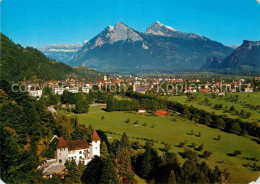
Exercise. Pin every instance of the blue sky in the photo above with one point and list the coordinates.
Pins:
(43, 22)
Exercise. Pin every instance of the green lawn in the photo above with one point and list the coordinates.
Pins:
(249, 98)
(174, 132)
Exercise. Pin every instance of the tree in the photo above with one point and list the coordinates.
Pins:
(10, 153)
(188, 170)
(232, 108)
(68, 97)
(147, 163)
(206, 154)
(124, 142)
(81, 167)
(167, 147)
(81, 105)
(92, 172)
(109, 175)
(219, 123)
(190, 155)
(54, 180)
(124, 164)
(204, 168)
(172, 179)
(186, 113)
(235, 128)
(54, 99)
(103, 150)
(199, 177)
(110, 104)
(248, 114)
(64, 127)
(74, 173)
(225, 177)
(136, 145)
(208, 120)
(206, 101)
(219, 137)
(200, 148)
(216, 175)
(237, 152)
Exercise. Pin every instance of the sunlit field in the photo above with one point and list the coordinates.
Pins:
(246, 102)
(173, 130)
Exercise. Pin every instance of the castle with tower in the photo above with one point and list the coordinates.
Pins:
(79, 150)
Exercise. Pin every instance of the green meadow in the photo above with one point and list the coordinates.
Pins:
(164, 129)
(243, 99)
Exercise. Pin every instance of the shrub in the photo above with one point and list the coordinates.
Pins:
(193, 145)
(219, 137)
(136, 145)
(206, 154)
(200, 148)
(190, 155)
(237, 152)
(127, 121)
(182, 144)
(136, 122)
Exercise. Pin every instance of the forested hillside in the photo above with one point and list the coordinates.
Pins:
(89, 73)
(26, 127)
(19, 63)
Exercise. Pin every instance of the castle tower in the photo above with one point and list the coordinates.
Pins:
(62, 151)
(95, 144)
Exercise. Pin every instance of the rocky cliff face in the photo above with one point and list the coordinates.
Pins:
(245, 57)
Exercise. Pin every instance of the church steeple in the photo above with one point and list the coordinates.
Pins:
(105, 76)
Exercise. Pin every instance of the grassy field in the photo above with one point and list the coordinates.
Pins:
(174, 132)
(243, 98)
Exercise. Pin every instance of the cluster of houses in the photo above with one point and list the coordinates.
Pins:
(142, 85)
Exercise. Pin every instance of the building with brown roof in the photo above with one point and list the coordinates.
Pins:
(79, 150)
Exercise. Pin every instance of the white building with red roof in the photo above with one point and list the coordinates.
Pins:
(79, 150)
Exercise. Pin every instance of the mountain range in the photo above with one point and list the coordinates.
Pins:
(61, 52)
(160, 48)
(246, 57)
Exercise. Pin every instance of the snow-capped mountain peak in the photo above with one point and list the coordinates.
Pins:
(157, 22)
(63, 51)
(158, 28)
(110, 28)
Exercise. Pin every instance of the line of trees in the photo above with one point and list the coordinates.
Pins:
(221, 122)
(118, 163)
(138, 101)
(121, 105)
